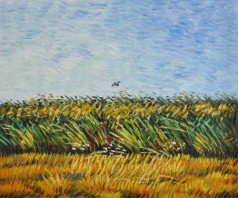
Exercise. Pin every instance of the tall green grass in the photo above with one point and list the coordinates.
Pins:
(190, 125)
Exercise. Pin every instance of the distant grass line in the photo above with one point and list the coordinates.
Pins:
(54, 175)
(121, 125)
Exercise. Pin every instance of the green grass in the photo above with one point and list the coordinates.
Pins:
(120, 125)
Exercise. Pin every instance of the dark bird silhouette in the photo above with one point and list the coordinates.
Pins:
(116, 83)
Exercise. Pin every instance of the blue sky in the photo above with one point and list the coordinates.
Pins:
(73, 47)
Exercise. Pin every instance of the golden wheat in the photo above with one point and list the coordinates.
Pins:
(116, 176)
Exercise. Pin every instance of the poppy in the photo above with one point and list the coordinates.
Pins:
(90, 130)
(102, 126)
(91, 144)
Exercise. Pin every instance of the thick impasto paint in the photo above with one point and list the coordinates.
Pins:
(118, 98)
(81, 47)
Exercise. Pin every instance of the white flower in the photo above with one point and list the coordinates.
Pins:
(174, 144)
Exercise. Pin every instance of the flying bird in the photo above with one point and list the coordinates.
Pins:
(116, 83)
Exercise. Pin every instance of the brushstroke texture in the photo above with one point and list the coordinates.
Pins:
(81, 47)
(44, 175)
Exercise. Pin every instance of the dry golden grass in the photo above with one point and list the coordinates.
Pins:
(117, 176)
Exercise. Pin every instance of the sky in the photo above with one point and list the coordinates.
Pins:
(154, 47)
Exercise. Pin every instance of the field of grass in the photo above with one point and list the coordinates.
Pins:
(195, 126)
(60, 175)
(119, 147)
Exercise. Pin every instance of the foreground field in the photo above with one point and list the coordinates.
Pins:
(117, 176)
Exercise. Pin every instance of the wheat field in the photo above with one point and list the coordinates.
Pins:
(119, 147)
(95, 175)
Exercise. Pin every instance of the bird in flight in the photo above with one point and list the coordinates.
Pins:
(116, 83)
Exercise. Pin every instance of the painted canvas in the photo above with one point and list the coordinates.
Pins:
(115, 98)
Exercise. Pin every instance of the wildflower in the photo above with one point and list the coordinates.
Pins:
(102, 126)
(90, 130)
(118, 138)
(91, 145)
(174, 144)
(105, 138)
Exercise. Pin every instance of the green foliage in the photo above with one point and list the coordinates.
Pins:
(196, 126)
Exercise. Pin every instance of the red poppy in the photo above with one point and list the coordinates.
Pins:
(91, 145)
(102, 126)
(118, 138)
(90, 130)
